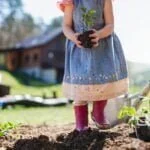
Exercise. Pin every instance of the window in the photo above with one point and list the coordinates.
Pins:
(35, 57)
(13, 62)
(2, 59)
(51, 55)
(27, 58)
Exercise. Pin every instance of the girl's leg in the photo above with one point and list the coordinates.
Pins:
(81, 115)
(98, 115)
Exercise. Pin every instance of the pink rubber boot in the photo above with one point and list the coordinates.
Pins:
(81, 117)
(98, 114)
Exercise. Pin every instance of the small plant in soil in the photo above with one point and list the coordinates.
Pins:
(138, 120)
(6, 127)
(88, 17)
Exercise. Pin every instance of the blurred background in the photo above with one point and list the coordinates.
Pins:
(32, 50)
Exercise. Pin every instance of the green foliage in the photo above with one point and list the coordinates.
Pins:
(88, 16)
(12, 6)
(127, 111)
(6, 127)
(144, 111)
(16, 25)
(55, 23)
(16, 28)
(134, 116)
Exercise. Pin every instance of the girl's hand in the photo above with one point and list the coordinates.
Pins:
(76, 41)
(95, 37)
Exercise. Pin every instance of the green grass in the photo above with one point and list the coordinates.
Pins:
(18, 81)
(39, 115)
(134, 89)
(146, 102)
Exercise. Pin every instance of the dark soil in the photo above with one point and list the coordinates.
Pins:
(45, 137)
(85, 39)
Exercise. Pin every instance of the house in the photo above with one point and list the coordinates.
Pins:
(41, 56)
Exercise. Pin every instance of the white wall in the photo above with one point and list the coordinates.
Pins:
(49, 75)
(33, 71)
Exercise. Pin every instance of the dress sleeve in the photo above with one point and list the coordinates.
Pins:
(62, 3)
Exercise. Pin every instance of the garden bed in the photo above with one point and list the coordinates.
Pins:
(45, 137)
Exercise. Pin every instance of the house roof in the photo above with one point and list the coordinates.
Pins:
(39, 40)
(35, 41)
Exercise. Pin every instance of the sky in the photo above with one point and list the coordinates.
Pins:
(132, 23)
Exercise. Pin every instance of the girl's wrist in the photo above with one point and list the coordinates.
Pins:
(73, 37)
(99, 34)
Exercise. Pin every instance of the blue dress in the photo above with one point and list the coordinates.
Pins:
(97, 73)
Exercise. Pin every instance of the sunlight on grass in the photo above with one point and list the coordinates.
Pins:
(39, 115)
(134, 89)
(17, 88)
(146, 102)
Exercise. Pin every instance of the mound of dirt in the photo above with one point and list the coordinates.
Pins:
(45, 137)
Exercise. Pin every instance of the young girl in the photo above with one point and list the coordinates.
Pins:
(92, 74)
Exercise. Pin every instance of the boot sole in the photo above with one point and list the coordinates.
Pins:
(103, 126)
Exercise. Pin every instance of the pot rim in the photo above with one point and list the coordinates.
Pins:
(140, 124)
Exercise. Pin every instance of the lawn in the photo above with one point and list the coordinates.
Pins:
(23, 84)
(39, 115)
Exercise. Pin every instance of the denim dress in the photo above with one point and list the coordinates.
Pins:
(93, 74)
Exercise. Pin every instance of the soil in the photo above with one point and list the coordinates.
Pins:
(85, 39)
(64, 137)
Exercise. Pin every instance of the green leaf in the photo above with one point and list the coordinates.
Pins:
(83, 9)
(1, 134)
(126, 112)
(4, 128)
(88, 16)
(133, 121)
(145, 110)
(92, 12)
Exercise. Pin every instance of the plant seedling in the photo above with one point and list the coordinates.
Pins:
(88, 17)
(6, 127)
(140, 121)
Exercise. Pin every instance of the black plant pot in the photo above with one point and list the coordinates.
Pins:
(85, 39)
(142, 131)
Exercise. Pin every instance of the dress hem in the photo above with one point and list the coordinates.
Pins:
(95, 92)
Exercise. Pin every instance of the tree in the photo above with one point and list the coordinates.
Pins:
(9, 8)
(56, 22)
(15, 24)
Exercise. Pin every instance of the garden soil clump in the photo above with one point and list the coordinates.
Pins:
(85, 39)
(45, 137)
